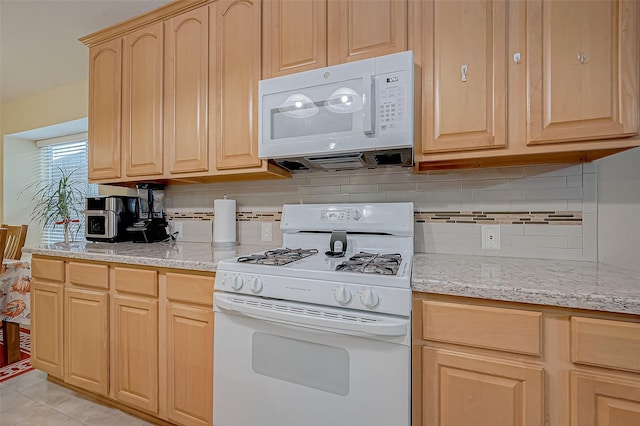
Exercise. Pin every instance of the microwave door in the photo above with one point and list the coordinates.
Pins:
(332, 117)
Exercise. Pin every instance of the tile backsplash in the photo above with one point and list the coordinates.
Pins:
(544, 211)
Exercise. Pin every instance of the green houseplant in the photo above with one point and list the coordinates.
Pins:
(59, 202)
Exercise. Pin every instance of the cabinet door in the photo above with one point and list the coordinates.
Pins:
(235, 71)
(46, 327)
(135, 337)
(465, 389)
(604, 400)
(190, 364)
(361, 29)
(185, 95)
(105, 109)
(463, 75)
(86, 340)
(142, 101)
(295, 36)
(582, 69)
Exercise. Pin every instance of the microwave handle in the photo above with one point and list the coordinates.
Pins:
(368, 117)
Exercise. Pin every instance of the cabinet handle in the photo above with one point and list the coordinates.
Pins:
(582, 57)
(516, 57)
(463, 70)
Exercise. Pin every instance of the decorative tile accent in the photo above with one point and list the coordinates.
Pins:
(481, 217)
(504, 218)
(243, 216)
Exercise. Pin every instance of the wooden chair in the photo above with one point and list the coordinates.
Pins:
(3, 242)
(11, 331)
(16, 236)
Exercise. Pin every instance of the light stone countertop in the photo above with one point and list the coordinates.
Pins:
(573, 284)
(191, 256)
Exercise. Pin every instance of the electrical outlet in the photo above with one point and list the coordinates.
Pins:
(490, 237)
(267, 231)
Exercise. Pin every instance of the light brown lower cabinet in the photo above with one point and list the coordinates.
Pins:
(469, 389)
(47, 307)
(135, 337)
(46, 326)
(189, 364)
(138, 337)
(86, 339)
(604, 399)
(485, 363)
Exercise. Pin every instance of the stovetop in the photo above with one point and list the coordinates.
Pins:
(362, 262)
(277, 257)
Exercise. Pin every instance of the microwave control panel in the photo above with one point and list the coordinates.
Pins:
(391, 101)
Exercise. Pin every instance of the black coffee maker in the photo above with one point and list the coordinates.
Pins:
(151, 224)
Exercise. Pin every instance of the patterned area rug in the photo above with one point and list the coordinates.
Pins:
(24, 365)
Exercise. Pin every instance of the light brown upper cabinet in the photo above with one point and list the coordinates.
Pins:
(464, 70)
(546, 81)
(174, 95)
(235, 71)
(295, 36)
(142, 101)
(582, 70)
(306, 34)
(185, 91)
(105, 69)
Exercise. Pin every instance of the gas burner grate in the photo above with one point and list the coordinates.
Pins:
(278, 257)
(372, 263)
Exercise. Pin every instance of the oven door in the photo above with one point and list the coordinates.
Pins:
(276, 363)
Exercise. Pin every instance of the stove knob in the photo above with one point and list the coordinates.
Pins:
(236, 283)
(369, 298)
(256, 285)
(343, 295)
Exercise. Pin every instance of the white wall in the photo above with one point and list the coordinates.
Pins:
(21, 168)
(42, 109)
(619, 209)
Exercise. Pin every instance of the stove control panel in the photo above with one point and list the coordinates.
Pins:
(328, 293)
(340, 215)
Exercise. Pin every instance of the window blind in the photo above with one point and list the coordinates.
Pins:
(66, 156)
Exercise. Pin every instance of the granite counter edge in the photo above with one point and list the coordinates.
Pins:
(129, 260)
(594, 302)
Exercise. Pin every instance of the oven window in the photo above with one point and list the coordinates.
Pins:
(309, 364)
(96, 225)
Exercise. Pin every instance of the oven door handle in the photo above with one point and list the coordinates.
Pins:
(268, 311)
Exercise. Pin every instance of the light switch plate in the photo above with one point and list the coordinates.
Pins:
(266, 231)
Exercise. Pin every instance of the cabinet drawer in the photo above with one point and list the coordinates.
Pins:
(190, 288)
(605, 343)
(136, 281)
(501, 329)
(47, 269)
(89, 275)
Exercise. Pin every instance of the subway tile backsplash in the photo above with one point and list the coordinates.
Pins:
(541, 209)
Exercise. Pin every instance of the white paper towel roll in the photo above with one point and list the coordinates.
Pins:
(224, 224)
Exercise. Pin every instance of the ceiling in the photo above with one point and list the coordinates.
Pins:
(39, 47)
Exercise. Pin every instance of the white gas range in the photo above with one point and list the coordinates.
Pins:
(318, 332)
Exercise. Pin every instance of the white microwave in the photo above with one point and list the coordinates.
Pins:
(348, 116)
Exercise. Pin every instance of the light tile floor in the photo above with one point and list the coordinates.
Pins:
(30, 399)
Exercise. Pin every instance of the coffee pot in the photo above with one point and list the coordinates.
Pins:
(151, 224)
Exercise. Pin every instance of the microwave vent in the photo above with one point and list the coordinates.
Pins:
(349, 161)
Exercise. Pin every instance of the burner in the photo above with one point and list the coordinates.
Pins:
(370, 263)
(278, 257)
